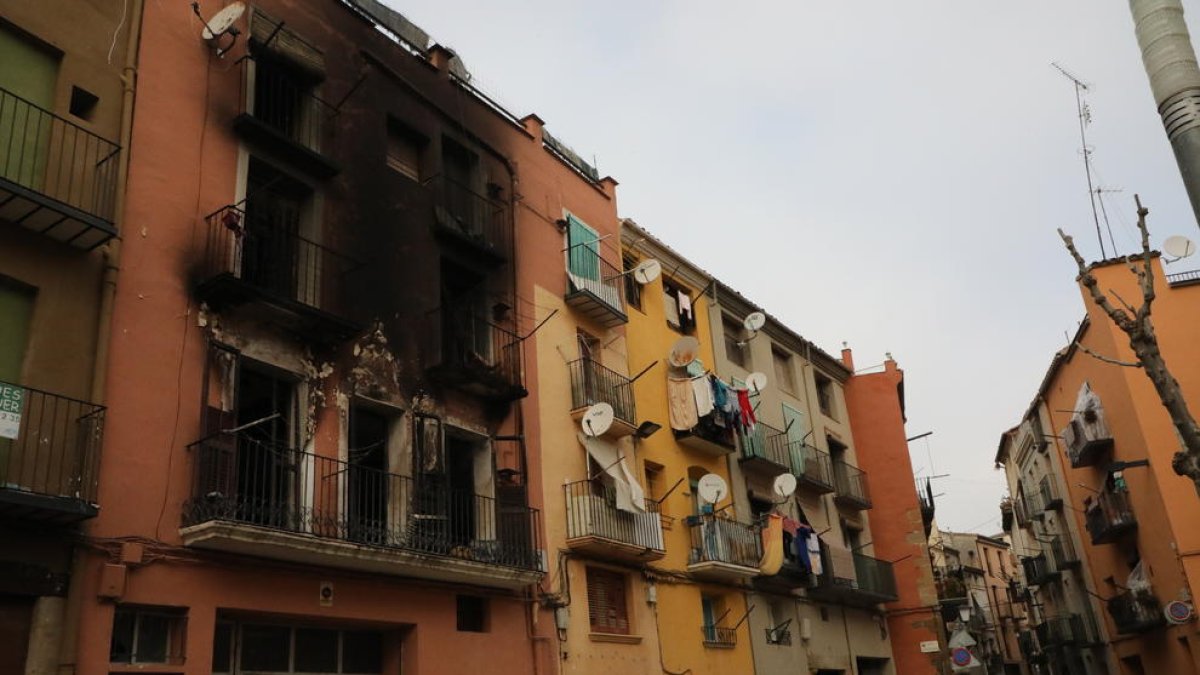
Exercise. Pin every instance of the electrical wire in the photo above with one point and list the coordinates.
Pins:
(120, 25)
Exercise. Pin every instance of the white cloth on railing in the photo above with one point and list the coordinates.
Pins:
(681, 404)
(630, 496)
(702, 389)
(813, 542)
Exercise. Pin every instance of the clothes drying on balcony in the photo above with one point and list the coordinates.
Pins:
(704, 396)
(630, 496)
(772, 543)
(681, 403)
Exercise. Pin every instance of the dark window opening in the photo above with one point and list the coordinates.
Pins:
(148, 635)
(633, 290)
(677, 305)
(404, 150)
(735, 349)
(826, 398)
(472, 614)
(83, 103)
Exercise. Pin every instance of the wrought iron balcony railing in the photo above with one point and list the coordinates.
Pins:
(1048, 492)
(1087, 437)
(813, 467)
(874, 580)
(716, 636)
(1109, 516)
(481, 223)
(765, 448)
(281, 110)
(240, 479)
(49, 454)
(778, 636)
(592, 383)
(474, 354)
(56, 177)
(594, 286)
(711, 435)
(1039, 569)
(1136, 612)
(594, 521)
(1063, 553)
(851, 485)
(724, 540)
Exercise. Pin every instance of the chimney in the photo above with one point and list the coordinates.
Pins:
(1174, 76)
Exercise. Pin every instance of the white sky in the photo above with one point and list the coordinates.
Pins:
(885, 173)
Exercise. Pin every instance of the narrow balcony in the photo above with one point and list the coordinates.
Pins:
(473, 354)
(851, 483)
(1050, 497)
(477, 226)
(56, 178)
(717, 637)
(1109, 516)
(764, 450)
(1063, 553)
(592, 383)
(1087, 438)
(256, 498)
(855, 579)
(596, 526)
(282, 113)
(256, 257)
(779, 636)
(814, 471)
(710, 436)
(1021, 512)
(1135, 612)
(723, 549)
(1187, 278)
(925, 500)
(1039, 570)
(595, 288)
(49, 455)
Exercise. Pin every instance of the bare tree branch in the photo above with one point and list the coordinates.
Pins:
(1118, 316)
(1122, 300)
(1100, 357)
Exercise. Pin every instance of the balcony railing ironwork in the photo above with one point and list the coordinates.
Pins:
(474, 354)
(1109, 516)
(49, 453)
(851, 485)
(925, 500)
(1039, 569)
(724, 540)
(765, 448)
(813, 467)
(282, 110)
(1184, 278)
(711, 435)
(241, 479)
(1087, 437)
(1063, 553)
(716, 636)
(874, 579)
(592, 514)
(1136, 612)
(592, 383)
(56, 177)
(1049, 496)
(482, 223)
(594, 286)
(778, 636)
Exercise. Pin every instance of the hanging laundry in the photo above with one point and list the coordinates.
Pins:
(681, 404)
(803, 534)
(720, 394)
(685, 307)
(813, 545)
(704, 395)
(746, 409)
(696, 368)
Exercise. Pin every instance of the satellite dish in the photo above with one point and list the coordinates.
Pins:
(1179, 246)
(754, 321)
(647, 271)
(756, 382)
(784, 485)
(711, 488)
(222, 21)
(684, 351)
(597, 419)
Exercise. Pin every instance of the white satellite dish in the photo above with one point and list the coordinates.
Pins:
(754, 321)
(647, 271)
(684, 351)
(1179, 247)
(711, 488)
(222, 21)
(597, 419)
(784, 485)
(756, 382)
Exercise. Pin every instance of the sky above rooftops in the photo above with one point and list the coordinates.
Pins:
(881, 173)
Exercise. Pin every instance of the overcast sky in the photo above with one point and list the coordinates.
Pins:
(884, 173)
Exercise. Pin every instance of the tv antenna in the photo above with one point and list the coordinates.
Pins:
(1085, 119)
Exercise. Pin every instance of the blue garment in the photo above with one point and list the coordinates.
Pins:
(800, 546)
(720, 394)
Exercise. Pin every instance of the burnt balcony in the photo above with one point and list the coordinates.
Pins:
(1109, 516)
(854, 579)
(1136, 612)
(764, 449)
(282, 113)
(711, 436)
(592, 383)
(595, 288)
(1087, 437)
(255, 257)
(1039, 570)
(814, 468)
(49, 455)
(718, 637)
(477, 226)
(1050, 499)
(851, 484)
(595, 525)
(254, 497)
(56, 178)
(475, 355)
(723, 549)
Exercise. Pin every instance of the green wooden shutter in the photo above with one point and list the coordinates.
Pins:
(796, 423)
(28, 74)
(583, 254)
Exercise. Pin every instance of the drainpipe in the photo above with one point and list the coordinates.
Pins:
(1174, 76)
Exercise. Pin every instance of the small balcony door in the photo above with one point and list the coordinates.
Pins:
(28, 70)
(272, 258)
(367, 481)
(266, 459)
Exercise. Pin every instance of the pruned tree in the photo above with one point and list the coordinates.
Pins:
(1137, 325)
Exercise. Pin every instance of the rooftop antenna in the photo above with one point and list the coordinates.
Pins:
(1085, 118)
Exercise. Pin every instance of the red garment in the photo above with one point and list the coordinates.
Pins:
(747, 410)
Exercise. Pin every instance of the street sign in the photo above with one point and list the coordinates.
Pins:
(929, 646)
(11, 403)
(959, 656)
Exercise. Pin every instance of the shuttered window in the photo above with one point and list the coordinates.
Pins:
(606, 601)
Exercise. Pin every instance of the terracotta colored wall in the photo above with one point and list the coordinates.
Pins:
(896, 527)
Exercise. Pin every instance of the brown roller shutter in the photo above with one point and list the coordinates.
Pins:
(606, 593)
(285, 44)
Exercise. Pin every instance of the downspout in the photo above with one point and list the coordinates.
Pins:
(1170, 62)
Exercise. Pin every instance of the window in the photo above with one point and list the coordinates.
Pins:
(83, 103)
(606, 591)
(284, 100)
(148, 635)
(735, 351)
(784, 374)
(654, 484)
(295, 649)
(826, 398)
(677, 305)
(472, 614)
(404, 147)
(633, 290)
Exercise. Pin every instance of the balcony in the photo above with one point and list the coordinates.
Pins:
(477, 226)
(1063, 553)
(592, 383)
(473, 354)
(254, 257)
(1039, 570)
(873, 582)
(282, 113)
(710, 436)
(814, 470)
(256, 498)
(723, 549)
(851, 484)
(1087, 437)
(925, 499)
(595, 288)
(1021, 512)
(717, 637)
(56, 178)
(49, 455)
(1133, 612)
(765, 449)
(596, 526)
(1187, 278)
(1109, 516)
(1049, 496)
